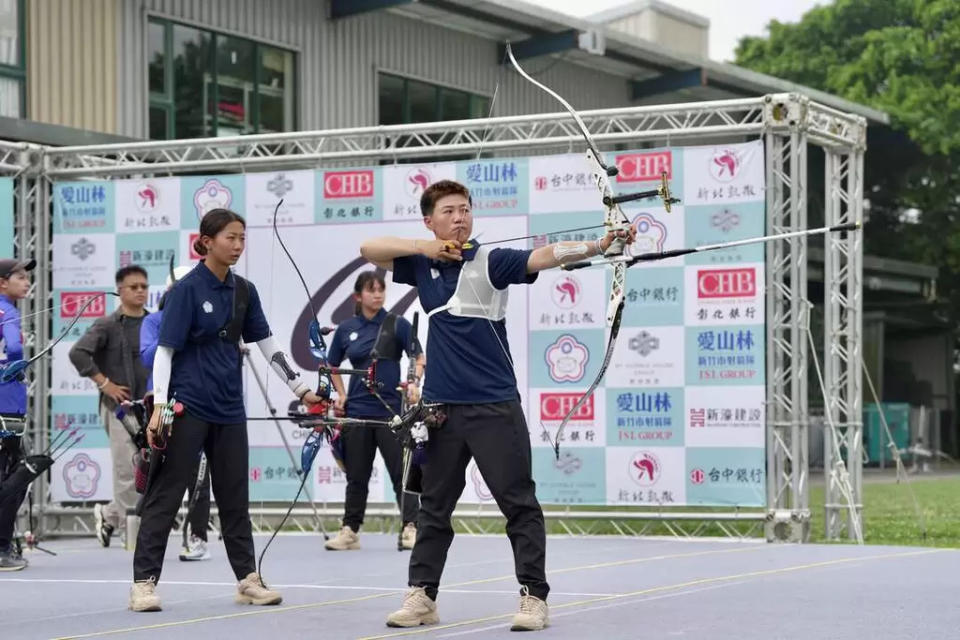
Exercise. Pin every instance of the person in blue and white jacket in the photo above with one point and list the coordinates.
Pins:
(14, 286)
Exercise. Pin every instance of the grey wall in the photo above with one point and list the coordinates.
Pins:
(338, 61)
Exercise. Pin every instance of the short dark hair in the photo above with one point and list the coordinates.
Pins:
(438, 190)
(123, 272)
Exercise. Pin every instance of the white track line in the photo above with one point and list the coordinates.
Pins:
(189, 583)
(502, 626)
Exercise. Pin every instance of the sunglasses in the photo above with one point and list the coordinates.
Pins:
(138, 287)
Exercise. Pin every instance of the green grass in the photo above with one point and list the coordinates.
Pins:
(890, 516)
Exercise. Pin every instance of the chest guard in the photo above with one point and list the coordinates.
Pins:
(386, 347)
(475, 296)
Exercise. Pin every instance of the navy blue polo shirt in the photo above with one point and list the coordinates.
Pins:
(465, 361)
(354, 340)
(206, 369)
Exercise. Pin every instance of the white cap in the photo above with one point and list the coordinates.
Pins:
(179, 273)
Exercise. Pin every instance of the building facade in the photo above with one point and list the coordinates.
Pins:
(189, 68)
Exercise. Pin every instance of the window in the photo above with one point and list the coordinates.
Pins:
(209, 84)
(404, 101)
(12, 53)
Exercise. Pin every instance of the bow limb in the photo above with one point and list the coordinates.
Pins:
(614, 220)
(318, 346)
(566, 105)
(16, 368)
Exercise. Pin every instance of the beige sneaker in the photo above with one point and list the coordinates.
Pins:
(143, 596)
(346, 540)
(251, 590)
(532, 615)
(417, 609)
(409, 536)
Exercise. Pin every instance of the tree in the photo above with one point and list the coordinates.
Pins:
(903, 57)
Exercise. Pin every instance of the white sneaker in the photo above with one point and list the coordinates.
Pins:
(409, 536)
(252, 590)
(103, 529)
(345, 540)
(532, 615)
(143, 596)
(196, 549)
(417, 609)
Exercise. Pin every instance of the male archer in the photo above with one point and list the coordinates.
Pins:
(463, 288)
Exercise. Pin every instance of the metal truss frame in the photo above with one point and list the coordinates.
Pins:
(787, 123)
(843, 320)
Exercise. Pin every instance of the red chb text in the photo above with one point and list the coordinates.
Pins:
(644, 167)
(726, 283)
(554, 406)
(348, 184)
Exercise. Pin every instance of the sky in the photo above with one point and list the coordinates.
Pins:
(729, 19)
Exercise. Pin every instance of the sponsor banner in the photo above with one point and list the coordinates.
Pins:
(476, 490)
(568, 300)
(561, 358)
(201, 194)
(82, 475)
(84, 260)
(585, 427)
(724, 295)
(724, 174)
(641, 416)
(64, 379)
(152, 251)
(547, 229)
(642, 171)
(725, 355)
(69, 412)
(725, 417)
(577, 477)
(349, 195)
(6, 223)
(647, 357)
(657, 231)
(262, 192)
(646, 476)
(652, 297)
(725, 223)
(404, 184)
(562, 183)
(497, 187)
(686, 377)
(83, 207)
(727, 477)
(144, 206)
(68, 303)
(273, 476)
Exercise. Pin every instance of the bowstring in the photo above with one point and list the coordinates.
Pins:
(507, 55)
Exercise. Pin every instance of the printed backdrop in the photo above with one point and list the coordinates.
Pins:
(679, 418)
(6, 217)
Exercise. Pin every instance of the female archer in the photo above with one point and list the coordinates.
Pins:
(372, 332)
(197, 363)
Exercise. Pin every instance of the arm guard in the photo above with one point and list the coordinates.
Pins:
(279, 363)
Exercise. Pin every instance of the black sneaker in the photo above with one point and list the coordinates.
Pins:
(12, 561)
(103, 529)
